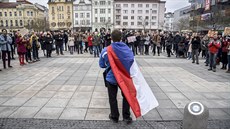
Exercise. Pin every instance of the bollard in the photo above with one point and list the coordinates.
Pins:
(195, 116)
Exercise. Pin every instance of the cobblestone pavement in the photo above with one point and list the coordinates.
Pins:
(70, 87)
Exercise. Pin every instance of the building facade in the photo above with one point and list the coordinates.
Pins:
(139, 15)
(82, 15)
(20, 14)
(168, 21)
(60, 14)
(103, 14)
(181, 19)
(210, 14)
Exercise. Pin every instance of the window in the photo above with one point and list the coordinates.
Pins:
(132, 11)
(68, 16)
(76, 15)
(96, 19)
(102, 2)
(81, 15)
(109, 19)
(146, 23)
(132, 17)
(154, 17)
(62, 16)
(140, 5)
(11, 22)
(118, 23)
(15, 13)
(88, 15)
(109, 10)
(28, 13)
(147, 11)
(21, 23)
(82, 22)
(154, 23)
(16, 22)
(52, 9)
(6, 14)
(53, 17)
(139, 11)
(31, 13)
(147, 5)
(68, 9)
(102, 19)
(10, 14)
(62, 8)
(109, 2)
(154, 5)
(146, 17)
(88, 22)
(102, 11)
(76, 22)
(132, 5)
(1, 23)
(125, 23)
(139, 23)
(125, 11)
(125, 5)
(0, 14)
(118, 17)
(132, 23)
(125, 17)
(118, 5)
(95, 3)
(95, 11)
(139, 17)
(6, 23)
(154, 11)
(20, 13)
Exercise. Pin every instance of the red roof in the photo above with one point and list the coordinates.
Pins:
(8, 5)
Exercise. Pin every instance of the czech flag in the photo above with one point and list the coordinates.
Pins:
(130, 79)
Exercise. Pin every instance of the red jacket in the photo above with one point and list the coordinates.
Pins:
(214, 47)
(90, 43)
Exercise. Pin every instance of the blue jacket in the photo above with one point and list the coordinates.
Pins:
(4, 44)
(104, 63)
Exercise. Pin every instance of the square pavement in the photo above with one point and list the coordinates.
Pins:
(71, 87)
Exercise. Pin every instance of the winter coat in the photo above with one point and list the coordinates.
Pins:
(90, 43)
(71, 41)
(5, 42)
(48, 43)
(196, 43)
(96, 40)
(214, 47)
(21, 45)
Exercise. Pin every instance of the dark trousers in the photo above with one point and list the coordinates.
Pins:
(12, 50)
(86, 47)
(154, 49)
(4, 53)
(28, 55)
(35, 52)
(112, 90)
(146, 49)
(168, 52)
(59, 49)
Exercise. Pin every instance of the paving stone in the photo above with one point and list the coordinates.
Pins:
(100, 95)
(49, 113)
(99, 103)
(180, 103)
(6, 111)
(36, 102)
(79, 103)
(166, 104)
(169, 89)
(85, 88)
(170, 114)
(26, 94)
(152, 115)
(52, 87)
(4, 99)
(63, 95)
(97, 114)
(9, 93)
(175, 96)
(82, 95)
(15, 102)
(45, 94)
(218, 114)
(57, 103)
(73, 114)
(69, 88)
(25, 112)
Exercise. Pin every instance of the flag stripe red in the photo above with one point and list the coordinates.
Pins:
(124, 81)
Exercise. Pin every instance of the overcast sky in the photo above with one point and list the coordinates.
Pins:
(171, 5)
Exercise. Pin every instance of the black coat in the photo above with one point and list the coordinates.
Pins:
(48, 43)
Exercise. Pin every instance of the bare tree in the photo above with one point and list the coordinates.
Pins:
(183, 24)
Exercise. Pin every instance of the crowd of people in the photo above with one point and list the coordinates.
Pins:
(193, 46)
